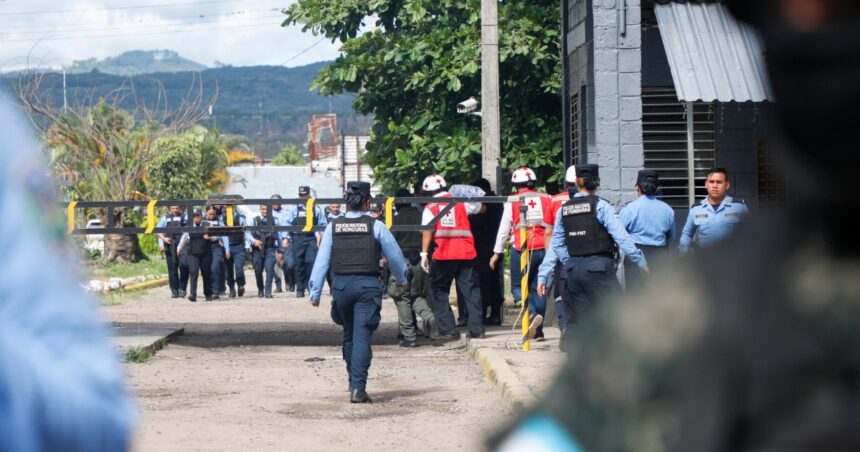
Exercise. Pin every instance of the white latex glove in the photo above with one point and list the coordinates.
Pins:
(425, 262)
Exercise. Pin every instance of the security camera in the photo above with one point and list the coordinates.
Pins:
(467, 106)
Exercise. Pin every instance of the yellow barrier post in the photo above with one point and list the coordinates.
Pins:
(150, 216)
(309, 223)
(524, 284)
(70, 217)
(230, 215)
(389, 212)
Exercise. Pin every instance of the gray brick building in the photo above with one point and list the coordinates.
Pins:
(678, 87)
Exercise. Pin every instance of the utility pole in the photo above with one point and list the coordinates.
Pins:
(490, 118)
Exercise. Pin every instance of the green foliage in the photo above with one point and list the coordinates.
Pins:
(149, 244)
(289, 156)
(420, 60)
(139, 355)
(175, 172)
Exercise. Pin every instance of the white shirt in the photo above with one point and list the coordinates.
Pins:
(471, 209)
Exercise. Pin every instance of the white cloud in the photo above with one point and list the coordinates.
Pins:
(241, 32)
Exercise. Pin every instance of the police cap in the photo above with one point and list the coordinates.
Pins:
(197, 213)
(647, 176)
(304, 190)
(587, 170)
(358, 187)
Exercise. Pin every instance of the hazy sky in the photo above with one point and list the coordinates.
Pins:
(237, 32)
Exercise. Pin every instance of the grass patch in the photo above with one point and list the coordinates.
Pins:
(118, 297)
(138, 355)
(154, 266)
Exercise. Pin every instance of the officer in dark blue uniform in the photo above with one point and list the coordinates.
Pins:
(650, 223)
(586, 231)
(353, 246)
(304, 245)
(177, 263)
(265, 247)
(199, 257)
(236, 256)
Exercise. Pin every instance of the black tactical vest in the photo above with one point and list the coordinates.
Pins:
(354, 249)
(269, 239)
(584, 235)
(239, 237)
(197, 243)
(302, 219)
(176, 222)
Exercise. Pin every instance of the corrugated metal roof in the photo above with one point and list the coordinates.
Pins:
(712, 56)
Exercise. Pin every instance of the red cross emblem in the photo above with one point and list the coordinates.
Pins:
(532, 204)
(439, 181)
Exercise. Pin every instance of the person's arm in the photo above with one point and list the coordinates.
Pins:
(606, 217)
(626, 217)
(162, 222)
(392, 252)
(183, 242)
(249, 237)
(547, 265)
(670, 223)
(504, 229)
(321, 266)
(687, 233)
(557, 243)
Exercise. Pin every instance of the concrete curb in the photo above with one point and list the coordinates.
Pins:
(515, 394)
(146, 284)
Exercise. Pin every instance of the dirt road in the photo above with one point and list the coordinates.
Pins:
(254, 374)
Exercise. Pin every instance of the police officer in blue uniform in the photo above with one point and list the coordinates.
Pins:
(285, 260)
(177, 263)
(235, 256)
(715, 217)
(264, 249)
(353, 247)
(584, 239)
(199, 257)
(219, 248)
(304, 245)
(650, 223)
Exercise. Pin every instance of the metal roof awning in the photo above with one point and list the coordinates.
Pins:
(712, 56)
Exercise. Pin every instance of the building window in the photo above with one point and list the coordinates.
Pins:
(665, 140)
(772, 187)
(575, 130)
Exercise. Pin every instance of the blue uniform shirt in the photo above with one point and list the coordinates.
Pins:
(547, 265)
(649, 221)
(319, 219)
(390, 249)
(281, 218)
(706, 225)
(606, 217)
(163, 222)
(61, 382)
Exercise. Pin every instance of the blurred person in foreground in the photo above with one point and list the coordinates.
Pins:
(755, 344)
(61, 384)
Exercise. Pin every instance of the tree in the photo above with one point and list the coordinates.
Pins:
(101, 151)
(175, 171)
(420, 60)
(289, 156)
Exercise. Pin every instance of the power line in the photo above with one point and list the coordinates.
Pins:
(202, 15)
(68, 38)
(267, 14)
(302, 52)
(116, 8)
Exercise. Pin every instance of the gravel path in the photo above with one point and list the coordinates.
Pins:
(254, 374)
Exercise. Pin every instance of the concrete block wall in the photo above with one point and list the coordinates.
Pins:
(617, 87)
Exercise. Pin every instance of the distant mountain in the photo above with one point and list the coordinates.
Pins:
(271, 105)
(136, 62)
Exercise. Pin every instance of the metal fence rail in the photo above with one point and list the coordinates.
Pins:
(152, 216)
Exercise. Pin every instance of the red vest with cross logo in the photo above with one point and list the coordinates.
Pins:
(454, 239)
(537, 205)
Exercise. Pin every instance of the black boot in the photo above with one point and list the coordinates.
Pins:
(241, 291)
(359, 396)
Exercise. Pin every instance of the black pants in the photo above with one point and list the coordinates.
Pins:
(197, 264)
(177, 270)
(236, 266)
(590, 280)
(490, 283)
(442, 273)
(264, 260)
(305, 252)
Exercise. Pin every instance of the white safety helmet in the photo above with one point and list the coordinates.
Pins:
(433, 183)
(570, 175)
(523, 175)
